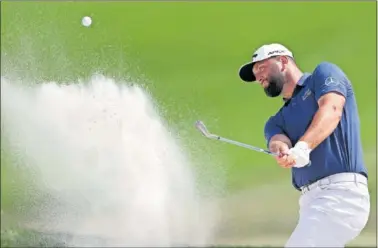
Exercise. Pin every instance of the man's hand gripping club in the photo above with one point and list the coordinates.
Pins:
(297, 156)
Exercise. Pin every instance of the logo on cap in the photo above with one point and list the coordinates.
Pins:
(276, 51)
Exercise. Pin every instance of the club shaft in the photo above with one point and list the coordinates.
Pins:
(248, 146)
(245, 145)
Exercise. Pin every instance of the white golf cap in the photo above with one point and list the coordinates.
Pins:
(264, 52)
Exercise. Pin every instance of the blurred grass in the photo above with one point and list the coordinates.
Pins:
(187, 55)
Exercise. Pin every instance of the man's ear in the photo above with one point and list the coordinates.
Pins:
(284, 61)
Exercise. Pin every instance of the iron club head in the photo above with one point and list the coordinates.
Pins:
(202, 128)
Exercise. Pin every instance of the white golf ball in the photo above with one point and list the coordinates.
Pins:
(86, 21)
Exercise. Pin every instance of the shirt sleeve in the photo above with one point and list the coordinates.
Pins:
(328, 77)
(272, 127)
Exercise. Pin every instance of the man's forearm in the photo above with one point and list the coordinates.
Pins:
(323, 124)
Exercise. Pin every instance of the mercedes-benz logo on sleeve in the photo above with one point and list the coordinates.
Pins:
(331, 81)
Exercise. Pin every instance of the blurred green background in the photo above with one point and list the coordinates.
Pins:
(187, 54)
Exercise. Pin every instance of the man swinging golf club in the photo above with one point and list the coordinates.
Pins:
(318, 122)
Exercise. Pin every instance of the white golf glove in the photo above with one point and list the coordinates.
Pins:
(301, 153)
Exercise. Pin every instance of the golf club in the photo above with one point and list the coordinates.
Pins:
(202, 128)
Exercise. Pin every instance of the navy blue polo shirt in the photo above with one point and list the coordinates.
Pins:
(342, 150)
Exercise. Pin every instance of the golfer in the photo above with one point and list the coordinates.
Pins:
(317, 134)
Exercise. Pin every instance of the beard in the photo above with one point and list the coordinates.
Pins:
(276, 83)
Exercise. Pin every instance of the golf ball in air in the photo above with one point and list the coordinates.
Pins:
(86, 21)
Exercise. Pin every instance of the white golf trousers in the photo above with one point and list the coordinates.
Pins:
(333, 211)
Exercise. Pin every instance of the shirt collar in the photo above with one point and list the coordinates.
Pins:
(302, 80)
(300, 84)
